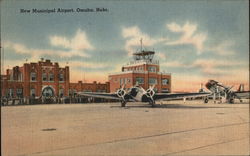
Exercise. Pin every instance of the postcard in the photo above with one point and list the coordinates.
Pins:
(109, 77)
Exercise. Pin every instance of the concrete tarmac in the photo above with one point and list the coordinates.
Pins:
(172, 128)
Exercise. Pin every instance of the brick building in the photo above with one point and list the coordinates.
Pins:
(143, 70)
(88, 87)
(43, 80)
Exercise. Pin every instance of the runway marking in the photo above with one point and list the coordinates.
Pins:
(143, 137)
(199, 147)
(49, 129)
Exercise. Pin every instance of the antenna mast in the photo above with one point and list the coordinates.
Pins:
(141, 44)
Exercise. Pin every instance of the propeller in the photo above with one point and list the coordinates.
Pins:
(137, 83)
(230, 94)
(121, 92)
(228, 91)
(150, 92)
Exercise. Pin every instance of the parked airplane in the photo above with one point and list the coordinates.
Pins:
(138, 94)
(220, 90)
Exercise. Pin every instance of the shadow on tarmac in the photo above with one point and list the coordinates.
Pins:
(181, 106)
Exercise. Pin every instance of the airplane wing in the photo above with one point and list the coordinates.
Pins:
(162, 96)
(243, 94)
(113, 96)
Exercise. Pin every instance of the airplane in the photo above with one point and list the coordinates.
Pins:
(138, 94)
(220, 90)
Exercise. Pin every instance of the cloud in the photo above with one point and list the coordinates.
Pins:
(213, 67)
(75, 46)
(91, 65)
(77, 43)
(133, 35)
(173, 64)
(161, 55)
(223, 48)
(189, 35)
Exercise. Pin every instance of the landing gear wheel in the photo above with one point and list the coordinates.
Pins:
(231, 101)
(152, 103)
(206, 100)
(123, 103)
(241, 101)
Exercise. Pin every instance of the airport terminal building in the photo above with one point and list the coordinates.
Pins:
(43, 80)
(144, 71)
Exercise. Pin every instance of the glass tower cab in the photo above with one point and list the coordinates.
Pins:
(144, 55)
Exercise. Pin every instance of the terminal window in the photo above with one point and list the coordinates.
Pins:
(152, 81)
(33, 76)
(19, 92)
(44, 77)
(61, 92)
(32, 92)
(61, 78)
(140, 80)
(11, 92)
(152, 69)
(121, 80)
(165, 81)
(51, 77)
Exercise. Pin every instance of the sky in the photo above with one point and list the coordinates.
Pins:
(194, 40)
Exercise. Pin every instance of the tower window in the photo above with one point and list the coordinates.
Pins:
(61, 77)
(11, 92)
(44, 76)
(152, 81)
(165, 81)
(140, 80)
(61, 92)
(152, 69)
(33, 76)
(19, 92)
(32, 92)
(51, 77)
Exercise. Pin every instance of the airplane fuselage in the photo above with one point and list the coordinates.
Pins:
(138, 94)
(218, 88)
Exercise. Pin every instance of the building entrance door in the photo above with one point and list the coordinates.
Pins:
(48, 92)
(48, 95)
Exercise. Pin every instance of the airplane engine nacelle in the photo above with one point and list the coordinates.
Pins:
(150, 93)
(121, 93)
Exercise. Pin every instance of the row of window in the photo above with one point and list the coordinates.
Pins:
(135, 69)
(151, 69)
(46, 77)
(125, 80)
(151, 81)
(140, 68)
(19, 92)
(140, 80)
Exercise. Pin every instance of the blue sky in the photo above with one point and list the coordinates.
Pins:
(194, 40)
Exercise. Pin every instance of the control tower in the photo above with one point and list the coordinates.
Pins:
(142, 70)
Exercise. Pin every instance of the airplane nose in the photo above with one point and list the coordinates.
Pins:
(208, 85)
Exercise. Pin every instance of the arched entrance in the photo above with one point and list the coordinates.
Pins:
(48, 94)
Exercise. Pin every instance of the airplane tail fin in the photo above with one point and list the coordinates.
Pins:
(241, 88)
(201, 90)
